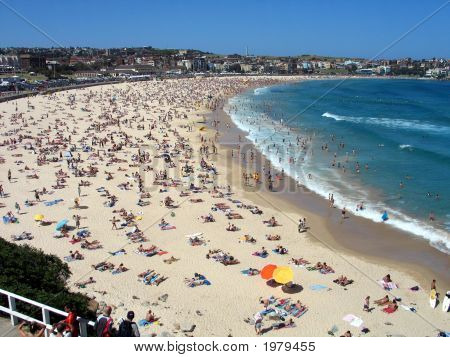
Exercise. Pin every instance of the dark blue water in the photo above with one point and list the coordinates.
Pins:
(385, 143)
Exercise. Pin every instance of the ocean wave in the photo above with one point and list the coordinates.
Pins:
(259, 91)
(391, 123)
(353, 195)
(405, 146)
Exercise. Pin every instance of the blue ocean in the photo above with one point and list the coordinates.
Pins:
(380, 143)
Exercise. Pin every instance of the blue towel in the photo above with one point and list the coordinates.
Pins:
(317, 287)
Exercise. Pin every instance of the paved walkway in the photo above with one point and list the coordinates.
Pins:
(6, 329)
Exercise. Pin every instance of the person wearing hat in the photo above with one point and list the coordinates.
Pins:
(127, 327)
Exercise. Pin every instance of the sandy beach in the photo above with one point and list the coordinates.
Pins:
(142, 164)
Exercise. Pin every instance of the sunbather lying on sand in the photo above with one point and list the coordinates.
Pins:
(324, 268)
(273, 237)
(280, 250)
(76, 255)
(382, 301)
(141, 249)
(343, 281)
(272, 222)
(251, 271)
(262, 253)
(232, 228)
(171, 260)
(91, 245)
(208, 218)
(280, 325)
(391, 308)
(120, 269)
(195, 241)
(197, 280)
(103, 266)
(299, 261)
(82, 284)
(248, 239)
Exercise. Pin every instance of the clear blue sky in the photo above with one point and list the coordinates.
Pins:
(285, 27)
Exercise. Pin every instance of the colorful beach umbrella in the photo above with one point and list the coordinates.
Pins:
(267, 271)
(38, 217)
(61, 224)
(283, 275)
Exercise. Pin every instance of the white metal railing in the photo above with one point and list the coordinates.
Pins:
(15, 315)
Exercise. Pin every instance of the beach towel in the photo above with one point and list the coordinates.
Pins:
(247, 272)
(119, 252)
(147, 254)
(357, 322)
(145, 323)
(277, 252)
(298, 312)
(387, 286)
(83, 233)
(257, 254)
(389, 310)
(69, 259)
(7, 219)
(54, 202)
(115, 272)
(317, 287)
(353, 320)
(408, 308)
(168, 227)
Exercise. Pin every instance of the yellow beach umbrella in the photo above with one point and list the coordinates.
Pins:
(283, 274)
(139, 218)
(38, 217)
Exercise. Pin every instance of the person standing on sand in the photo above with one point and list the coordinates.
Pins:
(258, 323)
(114, 221)
(9, 175)
(366, 304)
(433, 285)
(77, 219)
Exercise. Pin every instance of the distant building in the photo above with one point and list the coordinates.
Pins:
(27, 61)
(383, 70)
(366, 71)
(199, 64)
(8, 64)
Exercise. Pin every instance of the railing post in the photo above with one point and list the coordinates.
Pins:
(12, 307)
(46, 320)
(83, 327)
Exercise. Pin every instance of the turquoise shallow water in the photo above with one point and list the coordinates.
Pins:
(385, 143)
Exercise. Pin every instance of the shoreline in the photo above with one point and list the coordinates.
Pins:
(364, 238)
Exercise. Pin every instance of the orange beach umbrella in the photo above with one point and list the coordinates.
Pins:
(267, 271)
